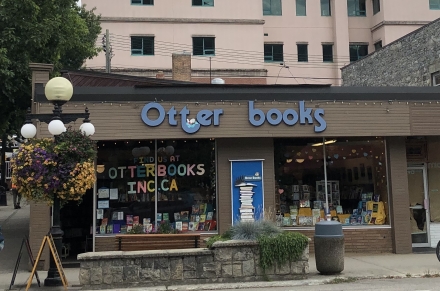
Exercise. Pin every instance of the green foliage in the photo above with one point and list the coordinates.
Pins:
(214, 239)
(165, 227)
(75, 147)
(252, 230)
(56, 32)
(136, 229)
(281, 248)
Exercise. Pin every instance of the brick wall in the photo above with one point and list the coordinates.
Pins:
(182, 67)
(408, 61)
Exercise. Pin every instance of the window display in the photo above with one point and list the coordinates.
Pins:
(356, 181)
(126, 194)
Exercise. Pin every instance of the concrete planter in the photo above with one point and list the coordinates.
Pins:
(230, 261)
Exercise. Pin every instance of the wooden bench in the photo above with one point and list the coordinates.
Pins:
(143, 242)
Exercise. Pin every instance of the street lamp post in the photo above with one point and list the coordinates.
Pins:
(58, 90)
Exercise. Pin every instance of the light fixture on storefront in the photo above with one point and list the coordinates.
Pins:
(100, 169)
(289, 161)
(326, 142)
(299, 161)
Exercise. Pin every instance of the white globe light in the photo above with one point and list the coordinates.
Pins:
(58, 89)
(28, 130)
(87, 128)
(56, 127)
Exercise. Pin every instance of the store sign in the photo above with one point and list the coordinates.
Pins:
(256, 117)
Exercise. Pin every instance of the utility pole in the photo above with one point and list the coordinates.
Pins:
(107, 52)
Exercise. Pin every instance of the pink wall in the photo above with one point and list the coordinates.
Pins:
(240, 47)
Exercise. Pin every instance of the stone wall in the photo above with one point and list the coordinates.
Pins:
(408, 61)
(231, 261)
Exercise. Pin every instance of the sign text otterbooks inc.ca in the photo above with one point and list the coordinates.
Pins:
(256, 117)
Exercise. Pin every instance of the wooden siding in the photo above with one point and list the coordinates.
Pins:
(123, 120)
(425, 119)
(397, 168)
(248, 148)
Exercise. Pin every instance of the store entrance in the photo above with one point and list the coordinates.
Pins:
(76, 224)
(418, 205)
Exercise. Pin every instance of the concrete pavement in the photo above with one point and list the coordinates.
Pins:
(15, 225)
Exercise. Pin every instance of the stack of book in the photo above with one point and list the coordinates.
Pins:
(246, 208)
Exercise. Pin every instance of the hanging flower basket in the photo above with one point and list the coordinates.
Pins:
(43, 168)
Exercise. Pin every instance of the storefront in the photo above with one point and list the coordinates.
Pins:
(203, 156)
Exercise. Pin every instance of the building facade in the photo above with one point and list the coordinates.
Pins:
(412, 60)
(281, 41)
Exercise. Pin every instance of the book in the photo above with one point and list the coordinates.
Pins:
(293, 219)
(339, 209)
(184, 215)
(129, 227)
(146, 221)
(110, 228)
(209, 215)
(135, 220)
(207, 225)
(192, 218)
(177, 216)
(129, 219)
(166, 216)
(159, 217)
(116, 228)
(148, 227)
(124, 228)
(102, 229)
(203, 218)
(192, 226)
(195, 209)
(185, 226)
(115, 216)
(179, 225)
(286, 221)
(202, 208)
(201, 226)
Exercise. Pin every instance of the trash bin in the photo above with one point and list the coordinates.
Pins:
(329, 247)
(3, 201)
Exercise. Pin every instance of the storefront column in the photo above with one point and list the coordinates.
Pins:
(236, 149)
(397, 165)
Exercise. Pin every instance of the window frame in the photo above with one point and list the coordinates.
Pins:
(141, 3)
(324, 54)
(358, 45)
(434, 4)
(302, 58)
(270, 12)
(272, 60)
(357, 11)
(376, 45)
(141, 50)
(203, 3)
(376, 6)
(297, 4)
(327, 2)
(204, 50)
(434, 78)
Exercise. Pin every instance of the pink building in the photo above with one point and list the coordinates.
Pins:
(253, 41)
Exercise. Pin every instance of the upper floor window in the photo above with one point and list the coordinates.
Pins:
(327, 53)
(434, 4)
(301, 8)
(436, 79)
(203, 46)
(142, 45)
(356, 8)
(376, 6)
(203, 2)
(142, 2)
(378, 45)
(303, 52)
(326, 8)
(272, 7)
(358, 51)
(273, 52)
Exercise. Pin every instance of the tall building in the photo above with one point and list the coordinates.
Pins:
(253, 41)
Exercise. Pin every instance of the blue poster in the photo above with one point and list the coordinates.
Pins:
(247, 190)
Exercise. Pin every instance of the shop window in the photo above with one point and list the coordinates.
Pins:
(272, 7)
(142, 2)
(301, 8)
(376, 6)
(273, 52)
(356, 8)
(356, 181)
(203, 46)
(358, 51)
(326, 8)
(186, 186)
(209, 3)
(142, 45)
(303, 54)
(434, 4)
(327, 53)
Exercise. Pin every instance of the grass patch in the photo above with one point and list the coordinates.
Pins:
(339, 280)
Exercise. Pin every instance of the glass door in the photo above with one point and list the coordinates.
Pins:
(418, 205)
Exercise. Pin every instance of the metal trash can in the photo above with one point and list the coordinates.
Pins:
(3, 200)
(329, 247)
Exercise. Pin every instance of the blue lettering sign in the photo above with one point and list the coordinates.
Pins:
(290, 116)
